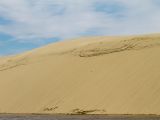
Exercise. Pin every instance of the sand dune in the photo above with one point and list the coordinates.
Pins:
(92, 75)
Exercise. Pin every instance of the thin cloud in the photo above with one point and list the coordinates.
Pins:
(32, 20)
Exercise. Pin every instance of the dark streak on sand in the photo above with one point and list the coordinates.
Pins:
(78, 117)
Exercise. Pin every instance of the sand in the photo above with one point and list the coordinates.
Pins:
(92, 75)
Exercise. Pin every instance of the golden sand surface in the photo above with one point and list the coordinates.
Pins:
(92, 75)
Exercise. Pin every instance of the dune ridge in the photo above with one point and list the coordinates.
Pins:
(92, 75)
(136, 43)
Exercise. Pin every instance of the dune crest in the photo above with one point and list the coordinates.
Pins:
(92, 75)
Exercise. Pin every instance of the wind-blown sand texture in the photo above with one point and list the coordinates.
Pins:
(92, 75)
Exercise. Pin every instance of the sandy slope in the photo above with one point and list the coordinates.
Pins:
(102, 75)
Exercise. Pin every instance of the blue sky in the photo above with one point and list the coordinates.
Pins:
(9, 45)
(27, 24)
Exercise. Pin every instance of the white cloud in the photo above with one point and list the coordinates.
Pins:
(40, 19)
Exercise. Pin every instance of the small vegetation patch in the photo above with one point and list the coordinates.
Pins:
(83, 112)
(50, 108)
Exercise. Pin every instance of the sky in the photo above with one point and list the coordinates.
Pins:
(27, 24)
